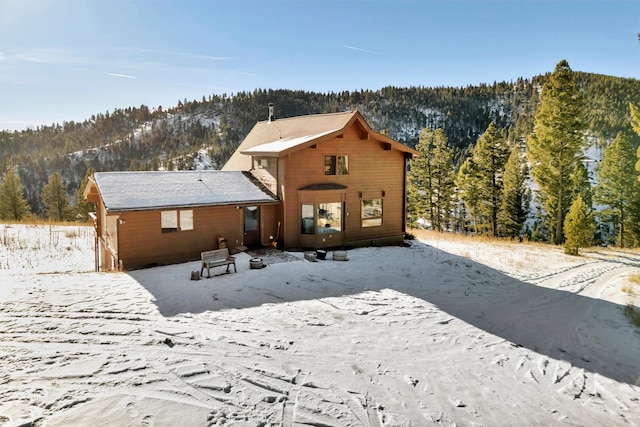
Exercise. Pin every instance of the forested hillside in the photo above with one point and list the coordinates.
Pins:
(171, 138)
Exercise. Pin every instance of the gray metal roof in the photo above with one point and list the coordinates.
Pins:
(125, 191)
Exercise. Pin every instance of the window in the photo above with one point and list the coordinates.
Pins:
(263, 163)
(371, 212)
(169, 221)
(306, 226)
(186, 220)
(336, 165)
(323, 218)
(329, 217)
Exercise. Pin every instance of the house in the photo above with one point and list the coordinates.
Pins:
(315, 181)
(154, 218)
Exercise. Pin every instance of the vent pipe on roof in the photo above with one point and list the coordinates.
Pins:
(272, 117)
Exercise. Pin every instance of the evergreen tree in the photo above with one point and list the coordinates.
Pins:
(82, 206)
(490, 155)
(13, 205)
(555, 147)
(55, 199)
(468, 184)
(432, 179)
(581, 184)
(617, 182)
(579, 227)
(515, 195)
(635, 124)
(635, 118)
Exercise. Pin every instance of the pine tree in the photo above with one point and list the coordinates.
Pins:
(635, 118)
(432, 179)
(490, 155)
(635, 124)
(555, 147)
(82, 206)
(515, 195)
(55, 199)
(468, 184)
(13, 205)
(581, 184)
(579, 227)
(616, 184)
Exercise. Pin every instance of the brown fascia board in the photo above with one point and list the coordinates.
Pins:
(380, 137)
(192, 206)
(90, 183)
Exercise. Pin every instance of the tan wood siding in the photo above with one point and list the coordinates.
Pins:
(372, 171)
(267, 175)
(268, 224)
(142, 242)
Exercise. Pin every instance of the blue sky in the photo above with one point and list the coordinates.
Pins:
(64, 60)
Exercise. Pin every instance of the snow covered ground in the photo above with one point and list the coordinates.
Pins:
(444, 332)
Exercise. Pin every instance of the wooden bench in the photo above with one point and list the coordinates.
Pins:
(216, 258)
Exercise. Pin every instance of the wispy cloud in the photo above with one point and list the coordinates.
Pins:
(359, 49)
(42, 56)
(124, 76)
(185, 54)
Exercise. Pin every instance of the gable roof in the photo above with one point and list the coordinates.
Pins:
(128, 191)
(281, 137)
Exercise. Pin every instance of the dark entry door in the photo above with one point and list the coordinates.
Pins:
(251, 225)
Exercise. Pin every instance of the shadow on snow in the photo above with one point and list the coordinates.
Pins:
(552, 322)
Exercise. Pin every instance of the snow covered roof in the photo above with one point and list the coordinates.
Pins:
(265, 132)
(124, 191)
(281, 145)
(280, 137)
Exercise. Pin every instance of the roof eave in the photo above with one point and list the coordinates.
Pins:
(192, 206)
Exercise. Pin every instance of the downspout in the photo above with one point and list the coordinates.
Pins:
(96, 241)
(404, 194)
(118, 260)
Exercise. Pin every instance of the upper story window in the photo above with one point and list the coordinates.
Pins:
(336, 165)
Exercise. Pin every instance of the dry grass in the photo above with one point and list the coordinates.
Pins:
(45, 221)
(634, 280)
(631, 285)
(457, 237)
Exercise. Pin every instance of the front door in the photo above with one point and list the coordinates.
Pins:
(251, 226)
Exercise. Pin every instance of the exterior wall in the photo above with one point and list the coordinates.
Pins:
(373, 173)
(268, 224)
(142, 242)
(266, 173)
